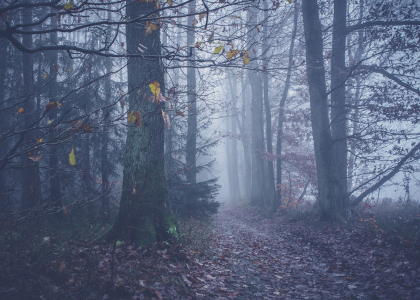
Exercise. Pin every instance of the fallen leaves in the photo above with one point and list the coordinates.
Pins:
(21, 110)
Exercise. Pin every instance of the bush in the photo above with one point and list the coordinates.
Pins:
(194, 200)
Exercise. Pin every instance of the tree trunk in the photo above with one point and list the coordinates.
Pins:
(245, 133)
(257, 185)
(105, 186)
(234, 143)
(281, 112)
(191, 145)
(328, 180)
(270, 189)
(144, 214)
(338, 96)
(3, 120)
(31, 182)
(55, 183)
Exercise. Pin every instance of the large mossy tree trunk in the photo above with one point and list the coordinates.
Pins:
(144, 214)
(328, 179)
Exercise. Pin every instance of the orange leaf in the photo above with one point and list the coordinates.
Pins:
(55, 68)
(139, 120)
(180, 113)
(232, 53)
(49, 107)
(21, 110)
(150, 27)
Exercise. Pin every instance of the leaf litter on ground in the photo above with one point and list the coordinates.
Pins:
(250, 257)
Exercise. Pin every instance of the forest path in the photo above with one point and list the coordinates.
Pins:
(258, 258)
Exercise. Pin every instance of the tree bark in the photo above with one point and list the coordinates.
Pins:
(55, 183)
(257, 185)
(270, 189)
(31, 181)
(144, 214)
(105, 186)
(245, 132)
(338, 96)
(234, 143)
(328, 179)
(191, 146)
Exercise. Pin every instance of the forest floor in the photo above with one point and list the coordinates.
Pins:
(259, 258)
(248, 257)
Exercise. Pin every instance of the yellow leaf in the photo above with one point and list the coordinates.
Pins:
(132, 117)
(218, 49)
(68, 70)
(202, 16)
(39, 141)
(44, 76)
(50, 121)
(246, 58)
(69, 5)
(150, 27)
(58, 104)
(21, 110)
(232, 53)
(155, 89)
(72, 158)
(170, 2)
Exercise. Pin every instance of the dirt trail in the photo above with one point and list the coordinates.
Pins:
(258, 258)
